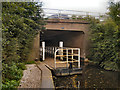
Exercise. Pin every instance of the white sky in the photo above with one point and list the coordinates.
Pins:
(81, 5)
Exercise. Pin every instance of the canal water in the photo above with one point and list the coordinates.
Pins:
(92, 77)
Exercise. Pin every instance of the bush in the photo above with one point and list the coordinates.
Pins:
(10, 84)
(30, 62)
(104, 49)
(21, 21)
(21, 66)
(11, 75)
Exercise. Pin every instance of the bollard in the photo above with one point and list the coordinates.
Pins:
(61, 47)
(43, 48)
(61, 44)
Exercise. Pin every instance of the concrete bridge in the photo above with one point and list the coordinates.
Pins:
(74, 33)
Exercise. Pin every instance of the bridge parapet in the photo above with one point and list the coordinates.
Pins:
(67, 21)
(67, 25)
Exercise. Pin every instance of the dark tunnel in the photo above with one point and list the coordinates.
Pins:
(74, 39)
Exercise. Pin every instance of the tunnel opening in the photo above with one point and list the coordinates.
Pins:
(73, 39)
(63, 49)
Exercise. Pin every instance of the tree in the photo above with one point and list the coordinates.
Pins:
(106, 41)
(21, 21)
(115, 12)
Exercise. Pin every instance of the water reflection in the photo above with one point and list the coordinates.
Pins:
(92, 77)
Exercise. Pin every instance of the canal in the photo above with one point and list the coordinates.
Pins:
(92, 77)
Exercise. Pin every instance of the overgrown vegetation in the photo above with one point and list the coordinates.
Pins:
(21, 21)
(105, 39)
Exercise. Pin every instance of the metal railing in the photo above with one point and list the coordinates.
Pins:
(48, 51)
(62, 55)
(49, 12)
(68, 54)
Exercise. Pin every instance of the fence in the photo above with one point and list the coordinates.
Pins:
(63, 14)
(63, 54)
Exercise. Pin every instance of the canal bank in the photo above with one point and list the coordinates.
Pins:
(31, 77)
(36, 76)
(46, 76)
(92, 77)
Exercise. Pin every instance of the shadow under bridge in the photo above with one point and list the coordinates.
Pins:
(72, 39)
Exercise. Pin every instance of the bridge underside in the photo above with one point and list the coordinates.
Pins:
(73, 39)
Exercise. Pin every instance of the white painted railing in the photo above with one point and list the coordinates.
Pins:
(68, 52)
(64, 54)
(47, 52)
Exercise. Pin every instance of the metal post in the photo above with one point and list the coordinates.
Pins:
(53, 51)
(72, 55)
(55, 48)
(67, 56)
(40, 51)
(59, 14)
(43, 48)
(78, 58)
(78, 84)
(55, 59)
(48, 51)
(84, 55)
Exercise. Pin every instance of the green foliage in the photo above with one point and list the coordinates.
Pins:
(88, 18)
(74, 17)
(106, 42)
(21, 21)
(79, 17)
(10, 85)
(21, 66)
(30, 62)
(11, 75)
(115, 12)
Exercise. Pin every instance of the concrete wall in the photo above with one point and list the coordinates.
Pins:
(67, 26)
(75, 39)
(34, 53)
(74, 33)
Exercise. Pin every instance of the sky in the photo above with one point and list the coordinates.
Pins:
(81, 5)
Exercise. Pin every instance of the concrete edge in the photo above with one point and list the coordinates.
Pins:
(46, 76)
